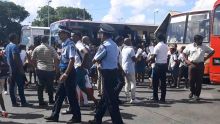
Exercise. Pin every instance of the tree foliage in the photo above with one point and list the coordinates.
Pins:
(10, 18)
(58, 14)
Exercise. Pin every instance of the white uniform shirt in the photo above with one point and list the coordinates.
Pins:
(173, 59)
(197, 53)
(23, 56)
(161, 50)
(80, 47)
(182, 59)
(127, 62)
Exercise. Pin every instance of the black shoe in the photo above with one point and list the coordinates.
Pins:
(26, 105)
(16, 105)
(73, 120)
(51, 119)
(42, 104)
(65, 112)
(162, 101)
(94, 122)
(190, 96)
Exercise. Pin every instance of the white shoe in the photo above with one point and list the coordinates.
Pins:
(133, 101)
(5, 92)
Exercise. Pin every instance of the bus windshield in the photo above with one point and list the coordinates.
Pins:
(176, 28)
(197, 24)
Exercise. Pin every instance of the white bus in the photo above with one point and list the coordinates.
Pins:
(29, 33)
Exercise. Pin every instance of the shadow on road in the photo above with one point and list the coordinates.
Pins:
(25, 116)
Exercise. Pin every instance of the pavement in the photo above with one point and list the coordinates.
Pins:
(177, 110)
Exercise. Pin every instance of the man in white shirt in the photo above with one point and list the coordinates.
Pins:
(159, 73)
(196, 54)
(80, 65)
(128, 63)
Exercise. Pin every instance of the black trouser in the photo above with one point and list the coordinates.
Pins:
(121, 82)
(67, 89)
(109, 98)
(159, 75)
(45, 79)
(196, 71)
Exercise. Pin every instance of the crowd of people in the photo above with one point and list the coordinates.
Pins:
(77, 64)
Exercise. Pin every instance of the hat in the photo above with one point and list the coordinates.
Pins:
(105, 28)
(63, 29)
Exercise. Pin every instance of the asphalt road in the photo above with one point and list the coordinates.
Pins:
(177, 110)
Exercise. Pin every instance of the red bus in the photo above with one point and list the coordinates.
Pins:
(214, 66)
(180, 28)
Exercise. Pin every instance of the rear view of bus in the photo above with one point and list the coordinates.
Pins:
(215, 44)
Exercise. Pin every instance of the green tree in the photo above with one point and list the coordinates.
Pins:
(42, 16)
(10, 18)
(58, 14)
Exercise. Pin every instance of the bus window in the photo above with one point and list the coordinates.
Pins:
(197, 24)
(216, 25)
(176, 28)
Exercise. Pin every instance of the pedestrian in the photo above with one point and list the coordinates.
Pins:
(67, 80)
(107, 56)
(16, 71)
(183, 69)
(3, 75)
(195, 58)
(81, 65)
(173, 66)
(160, 69)
(121, 80)
(128, 65)
(30, 66)
(45, 60)
(140, 63)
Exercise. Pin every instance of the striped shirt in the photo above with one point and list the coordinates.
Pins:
(44, 55)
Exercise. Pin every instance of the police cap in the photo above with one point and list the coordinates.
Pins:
(106, 28)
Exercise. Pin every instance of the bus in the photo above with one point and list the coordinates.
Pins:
(180, 28)
(89, 28)
(29, 33)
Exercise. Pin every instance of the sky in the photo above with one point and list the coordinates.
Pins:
(120, 11)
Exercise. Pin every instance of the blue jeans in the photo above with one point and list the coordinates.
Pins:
(159, 75)
(19, 80)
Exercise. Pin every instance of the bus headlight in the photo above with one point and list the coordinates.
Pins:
(216, 61)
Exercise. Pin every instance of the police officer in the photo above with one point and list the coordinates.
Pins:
(67, 84)
(107, 56)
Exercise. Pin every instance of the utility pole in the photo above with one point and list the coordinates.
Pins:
(48, 13)
(84, 14)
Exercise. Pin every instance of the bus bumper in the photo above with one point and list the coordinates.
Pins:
(214, 78)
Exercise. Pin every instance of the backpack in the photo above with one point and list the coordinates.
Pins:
(4, 68)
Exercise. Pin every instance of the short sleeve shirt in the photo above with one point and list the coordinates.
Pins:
(68, 52)
(127, 62)
(197, 53)
(80, 46)
(12, 49)
(44, 55)
(173, 59)
(161, 50)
